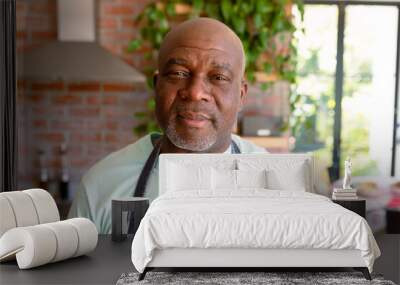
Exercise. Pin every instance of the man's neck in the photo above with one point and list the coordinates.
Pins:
(168, 147)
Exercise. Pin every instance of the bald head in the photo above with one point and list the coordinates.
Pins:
(203, 33)
(199, 86)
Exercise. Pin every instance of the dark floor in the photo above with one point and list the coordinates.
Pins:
(389, 262)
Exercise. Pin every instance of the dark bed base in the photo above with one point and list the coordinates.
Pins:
(364, 270)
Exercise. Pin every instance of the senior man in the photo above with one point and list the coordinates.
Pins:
(199, 90)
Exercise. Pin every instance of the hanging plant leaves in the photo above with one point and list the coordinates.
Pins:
(265, 85)
(197, 6)
(134, 45)
(151, 104)
(239, 25)
(258, 21)
(170, 9)
(212, 10)
(226, 9)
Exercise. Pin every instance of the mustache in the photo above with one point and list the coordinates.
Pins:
(195, 108)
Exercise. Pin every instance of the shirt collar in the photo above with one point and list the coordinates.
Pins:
(228, 150)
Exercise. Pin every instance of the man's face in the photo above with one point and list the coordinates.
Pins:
(199, 91)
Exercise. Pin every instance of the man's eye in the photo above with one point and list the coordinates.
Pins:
(220, 77)
(178, 74)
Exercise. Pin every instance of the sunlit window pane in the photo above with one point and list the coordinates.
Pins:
(368, 91)
(316, 77)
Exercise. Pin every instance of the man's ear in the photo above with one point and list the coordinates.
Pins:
(243, 93)
(155, 78)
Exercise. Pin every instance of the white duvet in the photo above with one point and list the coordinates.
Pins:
(252, 218)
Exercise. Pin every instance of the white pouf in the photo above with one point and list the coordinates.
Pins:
(40, 244)
(26, 208)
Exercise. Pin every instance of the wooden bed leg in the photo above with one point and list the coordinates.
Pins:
(142, 275)
(364, 271)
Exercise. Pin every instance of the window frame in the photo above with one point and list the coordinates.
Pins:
(8, 127)
(334, 170)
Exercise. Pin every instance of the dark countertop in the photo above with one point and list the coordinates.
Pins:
(110, 259)
(388, 264)
(102, 266)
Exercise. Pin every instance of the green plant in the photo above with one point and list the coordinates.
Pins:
(264, 26)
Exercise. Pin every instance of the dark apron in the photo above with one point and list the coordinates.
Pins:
(149, 165)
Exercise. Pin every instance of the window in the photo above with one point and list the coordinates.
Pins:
(347, 78)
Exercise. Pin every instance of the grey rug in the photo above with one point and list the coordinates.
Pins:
(273, 278)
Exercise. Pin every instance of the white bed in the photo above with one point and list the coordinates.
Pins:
(247, 210)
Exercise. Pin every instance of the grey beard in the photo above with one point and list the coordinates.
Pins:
(198, 145)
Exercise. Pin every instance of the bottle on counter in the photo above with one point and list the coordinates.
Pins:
(64, 175)
(44, 174)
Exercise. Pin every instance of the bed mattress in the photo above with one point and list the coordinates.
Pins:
(250, 219)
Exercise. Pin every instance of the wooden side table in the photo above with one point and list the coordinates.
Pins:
(357, 206)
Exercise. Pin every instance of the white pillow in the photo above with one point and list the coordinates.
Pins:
(182, 177)
(228, 179)
(251, 178)
(282, 174)
(224, 179)
(293, 180)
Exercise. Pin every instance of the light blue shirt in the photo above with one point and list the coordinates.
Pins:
(115, 177)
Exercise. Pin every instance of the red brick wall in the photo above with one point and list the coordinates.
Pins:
(36, 22)
(92, 118)
(116, 27)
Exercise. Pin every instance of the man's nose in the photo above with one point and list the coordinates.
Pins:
(196, 89)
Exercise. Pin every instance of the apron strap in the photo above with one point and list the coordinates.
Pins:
(147, 168)
(235, 147)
